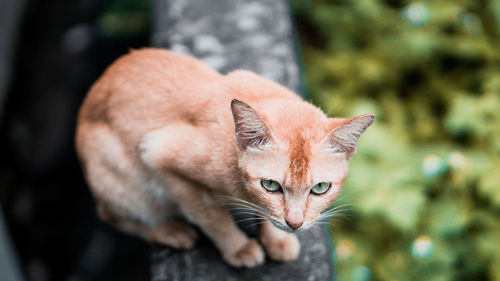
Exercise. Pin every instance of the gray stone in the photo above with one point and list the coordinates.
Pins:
(256, 35)
(204, 263)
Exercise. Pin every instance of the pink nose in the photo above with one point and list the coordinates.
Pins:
(294, 224)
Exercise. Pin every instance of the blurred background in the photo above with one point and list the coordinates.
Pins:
(54, 50)
(422, 201)
(424, 187)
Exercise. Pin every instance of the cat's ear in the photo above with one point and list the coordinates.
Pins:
(345, 136)
(251, 131)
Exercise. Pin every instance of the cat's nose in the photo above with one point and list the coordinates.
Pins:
(294, 224)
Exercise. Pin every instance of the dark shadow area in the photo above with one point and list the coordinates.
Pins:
(63, 47)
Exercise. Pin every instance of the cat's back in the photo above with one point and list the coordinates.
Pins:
(146, 87)
(150, 88)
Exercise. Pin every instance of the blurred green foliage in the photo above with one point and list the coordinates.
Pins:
(122, 18)
(424, 186)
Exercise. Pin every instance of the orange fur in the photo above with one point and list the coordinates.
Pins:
(299, 152)
(161, 134)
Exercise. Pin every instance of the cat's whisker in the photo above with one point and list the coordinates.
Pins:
(239, 200)
(325, 216)
(272, 219)
(234, 200)
(334, 214)
(340, 211)
(249, 213)
(326, 222)
(331, 218)
(334, 218)
(336, 203)
(251, 219)
(346, 195)
(257, 223)
(253, 216)
(242, 206)
(333, 207)
(259, 213)
(339, 207)
(237, 208)
(320, 223)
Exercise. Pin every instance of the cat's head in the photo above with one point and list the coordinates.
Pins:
(293, 160)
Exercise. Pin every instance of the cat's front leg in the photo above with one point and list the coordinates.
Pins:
(279, 245)
(176, 148)
(198, 204)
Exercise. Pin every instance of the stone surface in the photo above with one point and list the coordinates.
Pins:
(256, 35)
(204, 263)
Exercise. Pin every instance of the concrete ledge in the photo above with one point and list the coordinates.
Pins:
(204, 263)
(256, 35)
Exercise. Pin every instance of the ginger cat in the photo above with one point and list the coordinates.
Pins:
(161, 135)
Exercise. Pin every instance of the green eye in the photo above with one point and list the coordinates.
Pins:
(321, 188)
(270, 185)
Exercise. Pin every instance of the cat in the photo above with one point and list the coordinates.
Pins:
(162, 135)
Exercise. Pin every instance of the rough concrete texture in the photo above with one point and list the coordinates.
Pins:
(255, 35)
(204, 263)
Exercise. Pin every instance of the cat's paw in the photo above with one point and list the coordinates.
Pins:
(178, 235)
(250, 255)
(284, 248)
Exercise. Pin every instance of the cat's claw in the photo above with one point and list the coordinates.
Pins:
(250, 255)
(178, 235)
(285, 248)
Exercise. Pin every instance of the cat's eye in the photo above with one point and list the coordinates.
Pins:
(270, 185)
(321, 188)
